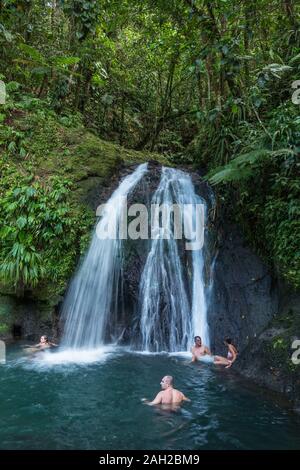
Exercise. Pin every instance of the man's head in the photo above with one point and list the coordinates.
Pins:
(166, 382)
(44, 339)
(198, 341)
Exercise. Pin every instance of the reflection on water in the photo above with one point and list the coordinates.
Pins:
(54, 402)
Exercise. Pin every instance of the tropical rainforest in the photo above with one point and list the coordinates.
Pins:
(85, 85)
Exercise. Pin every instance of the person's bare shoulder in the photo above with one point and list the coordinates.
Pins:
(177, 395)
(158, 399)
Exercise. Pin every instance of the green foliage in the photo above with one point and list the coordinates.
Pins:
(208, 83)
(3, 328)
(39, 231)
(279, 353)
(45, 222)
(245, 166)
(273, 209)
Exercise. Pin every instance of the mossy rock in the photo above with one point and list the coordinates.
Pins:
(74, 153)
(7, 313)
(85, 163)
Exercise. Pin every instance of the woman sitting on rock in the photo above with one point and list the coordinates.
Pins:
(232, 352)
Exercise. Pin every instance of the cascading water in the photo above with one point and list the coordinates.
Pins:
(168, 320)
(91, 297)
(171, 307)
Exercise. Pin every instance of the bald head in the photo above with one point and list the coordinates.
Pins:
(166, 382)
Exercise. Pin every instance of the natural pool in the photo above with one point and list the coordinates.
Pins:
(94, 403)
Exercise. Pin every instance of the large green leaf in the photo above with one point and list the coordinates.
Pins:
(33, 53)
(244, 165)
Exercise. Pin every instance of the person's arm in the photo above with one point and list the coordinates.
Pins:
(184, 398)
(156, 401)
(194, 357)
(208, 351)
(234, 353)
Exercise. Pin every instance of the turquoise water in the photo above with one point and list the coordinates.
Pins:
(48, 403)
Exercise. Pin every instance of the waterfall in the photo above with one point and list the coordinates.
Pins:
(91, 297)
(171, 305)
(168, 319)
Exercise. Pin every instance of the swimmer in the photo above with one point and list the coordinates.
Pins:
(202, 353)
(168, 395)
(43, 344)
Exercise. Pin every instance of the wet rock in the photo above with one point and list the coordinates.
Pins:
(23, 318)
(244, 296)
(267, 360)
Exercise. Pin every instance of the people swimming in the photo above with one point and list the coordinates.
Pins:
(44, 344)
(169, 395)
(202, 353)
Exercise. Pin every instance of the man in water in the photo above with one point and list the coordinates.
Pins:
(200, 352)
(168, 395)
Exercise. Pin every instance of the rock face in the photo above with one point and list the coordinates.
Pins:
(269, 359)
(27, 318)
(244, 296)
(259, 313)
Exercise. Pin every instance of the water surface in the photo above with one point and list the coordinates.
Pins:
(52, 403)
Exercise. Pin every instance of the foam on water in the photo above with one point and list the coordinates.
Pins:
(64, 358)
(77, 356)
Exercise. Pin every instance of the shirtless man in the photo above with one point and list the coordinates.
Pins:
(200, 352)
(168, 395)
